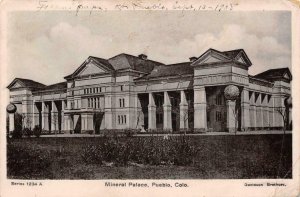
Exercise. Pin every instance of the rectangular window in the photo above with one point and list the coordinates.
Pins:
(218, 116)
(219, 99)
(122, 102)
(121, 87)
(122, 119)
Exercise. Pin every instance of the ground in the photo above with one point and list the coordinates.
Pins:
(216, 157)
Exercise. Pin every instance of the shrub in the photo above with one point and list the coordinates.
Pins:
(167, 150)
(23, 162)
(130, 132)
(28, 132)
(91, 155)
(17, 134)
(18, 122)
(37, 131)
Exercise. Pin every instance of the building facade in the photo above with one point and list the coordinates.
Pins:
(133, 92)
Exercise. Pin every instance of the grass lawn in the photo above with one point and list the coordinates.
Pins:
(218, 157)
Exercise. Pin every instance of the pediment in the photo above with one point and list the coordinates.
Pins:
(211, 59)
(17, 85)
(241, 60)
(286, 76)
(90, 69)
(210, 56)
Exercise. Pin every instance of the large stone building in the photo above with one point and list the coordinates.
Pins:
(129, 92)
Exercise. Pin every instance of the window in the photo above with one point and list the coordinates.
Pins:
(121, 87)
(219, 99)
(122, 102)
(72, 104)
(94, 102)
(218, 116)
(122, 119)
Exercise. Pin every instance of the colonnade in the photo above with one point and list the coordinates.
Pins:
(257, 111)
(167, 111)
(55, 109)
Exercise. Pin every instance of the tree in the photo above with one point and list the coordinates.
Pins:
(26, 121)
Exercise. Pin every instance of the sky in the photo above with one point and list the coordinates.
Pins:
(46, 46)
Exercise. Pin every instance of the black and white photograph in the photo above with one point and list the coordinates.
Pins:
(124, 95)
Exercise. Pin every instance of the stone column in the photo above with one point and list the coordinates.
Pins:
(11, 120)
(26, 112)
(231, 116)
(35, 116)
(87, 123)
(151, 112)
(54, 117)
(200, 120)
(139, 114)
(108, 111)
(62, 115)
(167, 112)
(45, 115)
(259, 114)
(279, 108)
(290, 119)
(183, 111)
(252, 111)
(265, 112)
(245, 107)
(271, 112)
(68, 123)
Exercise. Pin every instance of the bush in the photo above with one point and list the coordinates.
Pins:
(17, 134)
(129, 132)
(18, 122)
(23, 162)
(28, 132)
(91, 155)
(37, 131)
(149, 151)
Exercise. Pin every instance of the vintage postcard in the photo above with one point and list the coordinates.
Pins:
(152, 98)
